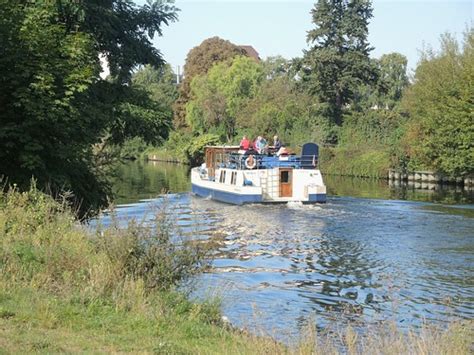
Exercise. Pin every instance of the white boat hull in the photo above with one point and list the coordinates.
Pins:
(259, 186)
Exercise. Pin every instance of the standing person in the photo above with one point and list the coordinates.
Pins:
(276, 143)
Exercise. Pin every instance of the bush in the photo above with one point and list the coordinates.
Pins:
(355, 162)
(43, 246)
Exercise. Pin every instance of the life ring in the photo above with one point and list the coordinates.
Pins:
(250, 162)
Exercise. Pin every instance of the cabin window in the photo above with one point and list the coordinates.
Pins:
(233, 177)
(222, 177)
(285, 176)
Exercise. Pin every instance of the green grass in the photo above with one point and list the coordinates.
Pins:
(34, 320)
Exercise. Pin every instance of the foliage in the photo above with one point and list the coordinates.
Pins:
(122, 31)
(279, 109)
(386, 92)
(393, 79)
(160, 83)
(359, 162)
(198, 62)
(133, 148)
(371, 127)
(338, 62)
(184, 147)
(55, 109)
(195, 148)
(440, 133)
(42, 243)
(218, 97)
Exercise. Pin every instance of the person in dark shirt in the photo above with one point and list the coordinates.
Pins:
(276, 143)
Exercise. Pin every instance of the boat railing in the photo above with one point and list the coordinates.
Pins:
(267, 161)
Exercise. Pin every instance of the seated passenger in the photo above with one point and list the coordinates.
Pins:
(244, 143)
(276, 143)
(261, 145)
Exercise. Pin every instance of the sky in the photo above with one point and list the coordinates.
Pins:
(279, 27)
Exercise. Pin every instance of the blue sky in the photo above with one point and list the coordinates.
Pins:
(278, 27)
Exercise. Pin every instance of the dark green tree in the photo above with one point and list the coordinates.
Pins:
(56, 113)
(338, 61)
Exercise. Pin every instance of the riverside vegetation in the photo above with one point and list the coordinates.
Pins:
(64, 124)
(367, 114)
(67, 288)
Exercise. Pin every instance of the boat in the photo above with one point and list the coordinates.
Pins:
(235, 176)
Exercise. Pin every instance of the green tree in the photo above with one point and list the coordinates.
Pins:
(392, 79)
(386, 93)
(159, 82)
(279, 109)
(56, 114)
(440, 133)
(198, 62)
(218, 97)
(338, 61)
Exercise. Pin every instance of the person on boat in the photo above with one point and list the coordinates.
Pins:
(244, 143)
(256, 142)
(276, 143)
(261, 145)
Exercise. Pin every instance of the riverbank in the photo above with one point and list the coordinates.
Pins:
(64, 288)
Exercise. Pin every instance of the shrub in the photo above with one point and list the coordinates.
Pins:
(44, 247)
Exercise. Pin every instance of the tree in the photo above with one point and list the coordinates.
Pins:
(440, 133)
(198, 62)
(56, 114)
(219, 96)
(386, 92)
(338, 62)
(392, 80)
(160, 83)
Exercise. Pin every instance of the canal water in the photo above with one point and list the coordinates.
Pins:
(371, 253)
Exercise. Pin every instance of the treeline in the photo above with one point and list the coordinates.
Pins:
(63, 124)
(366, 112)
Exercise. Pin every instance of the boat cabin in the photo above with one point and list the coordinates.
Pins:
(283, 177)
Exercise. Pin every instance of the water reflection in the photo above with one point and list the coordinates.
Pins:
(396, 190)
(353, 259)
(138, 180)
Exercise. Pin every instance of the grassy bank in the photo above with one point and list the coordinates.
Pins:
(64, 288)
(355, 162)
